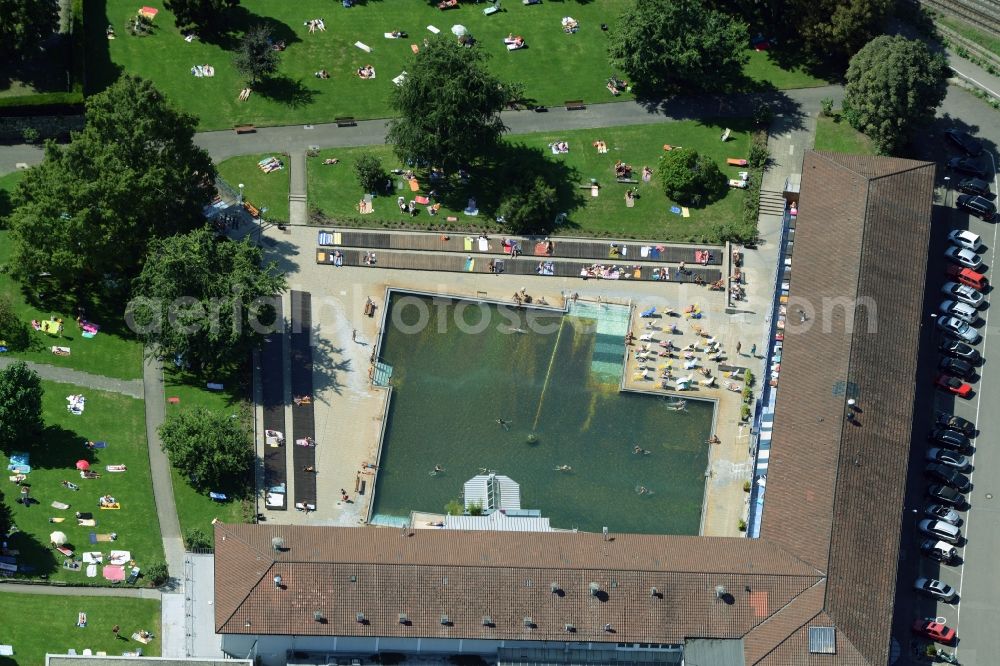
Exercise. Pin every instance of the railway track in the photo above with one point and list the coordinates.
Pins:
(983, 13)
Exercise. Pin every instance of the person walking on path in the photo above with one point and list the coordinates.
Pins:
(753, 350)
(354, 335)
(739, 346)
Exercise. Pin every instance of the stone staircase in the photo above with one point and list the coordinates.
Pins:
(771, 203)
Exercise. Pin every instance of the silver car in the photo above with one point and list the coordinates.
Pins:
(963, 257)
(932, 587)
(965, 239)
(964, 294)
(958, 329)
(963, 311)
(940, 530)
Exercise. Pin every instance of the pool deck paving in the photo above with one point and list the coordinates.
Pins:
(349, 411)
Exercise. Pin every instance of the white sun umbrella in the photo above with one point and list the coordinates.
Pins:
(459, 30)
(58, 538)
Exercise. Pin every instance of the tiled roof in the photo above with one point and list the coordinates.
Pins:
(425, 574)
(830, 531)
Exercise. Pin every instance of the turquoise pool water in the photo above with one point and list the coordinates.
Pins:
(458, 367)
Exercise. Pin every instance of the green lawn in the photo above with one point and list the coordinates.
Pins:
(195, 510)
(36, 624)
(334, 188)
(112, 352)
(110, 417)
(762, 69)
(987, 41)
(261, 189)
(837, 136)
(554, 67)
(7, 184)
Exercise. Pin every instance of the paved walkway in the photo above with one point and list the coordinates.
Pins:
(70, 591)
(129, 387)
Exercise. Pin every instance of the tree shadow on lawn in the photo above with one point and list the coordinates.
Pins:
(508, 169)
(239, 20)
(731, 105)
(100, 71)
(103, 307)
(59, 448)
(286, 90)
(34, 558)
(785, 55)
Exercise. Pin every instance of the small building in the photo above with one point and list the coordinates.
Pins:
(492, 492)
(500, 521)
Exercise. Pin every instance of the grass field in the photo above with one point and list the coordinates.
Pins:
(112, 352)
(268, 190)
(118, 420)
(837, 136)
(987, 41)
(36, 624)
(763, 70)
(7, 184)
(554, 67)
(334, 189)
(195, 510)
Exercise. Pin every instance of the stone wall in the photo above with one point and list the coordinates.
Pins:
(48, 127)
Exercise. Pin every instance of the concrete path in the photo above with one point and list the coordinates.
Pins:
(129, 387)
(297, 210)
(69, 591)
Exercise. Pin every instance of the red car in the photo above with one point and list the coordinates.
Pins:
(934, 631)
(953, 385)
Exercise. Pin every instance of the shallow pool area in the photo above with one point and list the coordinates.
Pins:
(552, 380)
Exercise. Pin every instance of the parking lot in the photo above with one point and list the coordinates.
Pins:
(975, 612)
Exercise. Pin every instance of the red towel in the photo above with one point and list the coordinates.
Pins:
(422, 200)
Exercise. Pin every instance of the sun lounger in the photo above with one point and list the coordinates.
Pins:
(364, 47)
(60, 351)
(81, 620)
(115, 468)
(62, 506)
(133, 576)
(514, 46)
(65, 551)
(56, 520)
(738, 184)
(433, 29)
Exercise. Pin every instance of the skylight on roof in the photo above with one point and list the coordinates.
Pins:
(822, 640)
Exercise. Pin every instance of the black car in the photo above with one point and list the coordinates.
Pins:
(961, 350)
(957, 367)
(976, 186)
(981, 207)
(948, 495)
(968, 166)
(952, 422)
(964, 142)
(949, 476)
(951, 439)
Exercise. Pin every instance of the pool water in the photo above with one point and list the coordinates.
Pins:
(458, 366)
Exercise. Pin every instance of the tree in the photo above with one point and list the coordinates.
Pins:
(206, 15)
(208, 301)
(690, 178)
(255, 58)
(195, 539)
(371, 173)
(214, 451)
(156, 573)
(20, 404)
(14, 332)
(133, 173)
(25, 25)
(838, 27)
(894, 85)
(528, 207)
(666, 46)
(448, 107)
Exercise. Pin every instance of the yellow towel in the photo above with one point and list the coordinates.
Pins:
(685, 212)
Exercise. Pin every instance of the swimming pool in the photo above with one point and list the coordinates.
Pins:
(553, 379)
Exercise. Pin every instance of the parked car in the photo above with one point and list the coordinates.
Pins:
(967, 166)
(963, 311)
(946, 513)
(942, 551)
(952, 422)
(954, 385)
(976, 186)
(958, 329)
(964, 293)
(948, 458)
(967, 276)
(964, 142)
(949, 476)
(950, 439)
(934, 630)
(932, 587)
(965, 239)
(965, 258)
(948, 495)
(957, 368)
(981, 207)
(941, 530)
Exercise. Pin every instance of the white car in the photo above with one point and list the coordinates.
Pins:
(965, 240)
(964, 293)
(963, 311)
(958, 329)
(964, 257)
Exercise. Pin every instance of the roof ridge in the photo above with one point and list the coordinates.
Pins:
(774, 617)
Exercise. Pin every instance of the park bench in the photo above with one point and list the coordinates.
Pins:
(346, 121)
(575, 105)
(244, 129)
(250, 208)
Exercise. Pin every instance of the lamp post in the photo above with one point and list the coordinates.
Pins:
(260, 224)
(947, 190)
(241, 193)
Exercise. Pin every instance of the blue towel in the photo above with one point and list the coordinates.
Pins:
(100, 445)
(221, 497)
(93, 537)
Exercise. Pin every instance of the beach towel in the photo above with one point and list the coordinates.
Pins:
(467, 243)
(114, 506)
(115, 468)
(81, 620)
(65, 551)
(103, 538)
(422, 200)
(364, 47)
(685, 212)
(433, 29)
(119, 557)
(484, 245)
(60, 505)
(219, 497)
(93, 557)
(88, 334)
(595, 191)
(630, 202)
(56, 520)
(100, 445)
(414, 185)
(114, 573)
(414, 48)
(83, 522)
(91, 571)
(60, 351)
(470, 265)
(324, 238)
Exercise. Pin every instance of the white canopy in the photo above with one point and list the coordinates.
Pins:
(459, 30)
